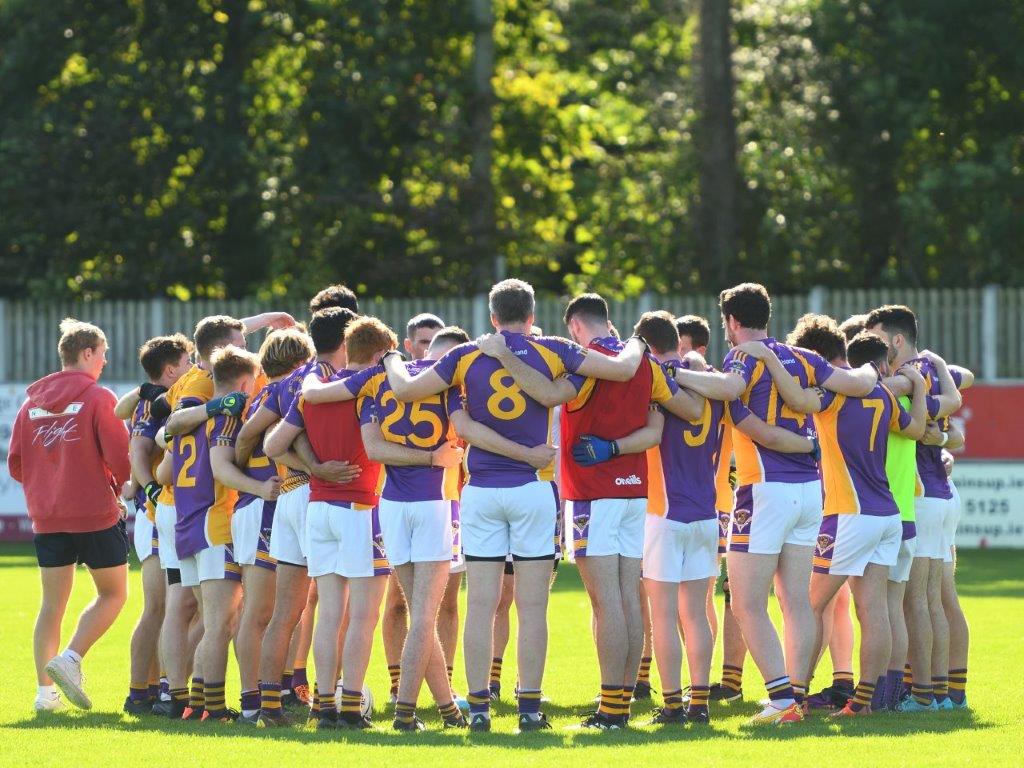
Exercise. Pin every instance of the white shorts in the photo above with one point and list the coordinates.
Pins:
(250, 543)
(950, 521)
(209, 564)
(500, 521)
(288, 531)
(848, 543)
(166, 519)
(144, 537)
(676, 552)
(901, 571)
(931, 514)
(768, 515)
(416, 531)
(344, 541)
(458, 559)
(607, 527)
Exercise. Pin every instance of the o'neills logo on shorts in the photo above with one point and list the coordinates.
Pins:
(631, 480)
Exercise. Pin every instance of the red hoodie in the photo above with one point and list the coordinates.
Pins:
(70, 452)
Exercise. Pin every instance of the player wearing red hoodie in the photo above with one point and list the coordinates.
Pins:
(68, 444)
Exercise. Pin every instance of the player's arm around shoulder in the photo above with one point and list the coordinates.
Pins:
(408, 387)
(620, 367)
(914, 428)
(249, 435)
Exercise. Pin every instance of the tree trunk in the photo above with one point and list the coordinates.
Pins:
(717, 215)
(482, 223)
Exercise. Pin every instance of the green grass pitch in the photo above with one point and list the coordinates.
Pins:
(990, 734)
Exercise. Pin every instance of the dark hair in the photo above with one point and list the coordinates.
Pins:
(659, 330)
(422, 320)
(327, 328)
(819, 333)
(451, 335)
(511, 301)
(161, 351)
(215, 331)
(748, 303)
(696, 328)
(866, 348)
(338, 295)
(853, 325)
(590, 306)
(894, 318)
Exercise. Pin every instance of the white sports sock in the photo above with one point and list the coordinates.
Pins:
(72, 656)
(249, 712)
(48, 691)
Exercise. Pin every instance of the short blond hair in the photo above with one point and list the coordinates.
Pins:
(285, 350)
(366, 337)
(77, 336)
(230, 363)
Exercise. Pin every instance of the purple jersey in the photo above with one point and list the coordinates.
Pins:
(284, 397)
(203, 506)
(931, 474)
(422, 424)
(144, 424)
(259, 467)
(681, 468)
(854, 434)
(755, 463)
(492, 397)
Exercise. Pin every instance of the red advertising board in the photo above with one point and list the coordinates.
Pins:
(992, 418)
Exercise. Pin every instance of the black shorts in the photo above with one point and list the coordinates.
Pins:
(97, 549)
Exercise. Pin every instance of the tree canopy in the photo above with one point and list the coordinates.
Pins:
(227, 148)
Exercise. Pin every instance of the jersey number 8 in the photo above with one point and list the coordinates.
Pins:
(507, 402)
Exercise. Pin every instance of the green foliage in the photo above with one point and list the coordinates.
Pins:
(260, 147)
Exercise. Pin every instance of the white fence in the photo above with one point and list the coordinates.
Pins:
(981, 328)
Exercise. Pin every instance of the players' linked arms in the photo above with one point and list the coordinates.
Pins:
(534, 383)
(279, 439)
(481, 436)
(852, 382)
(275, 320)
(226, 472)
(184, 420)
(898, 385)
(316, 391)
(125, 406)
(918, 405)
(394, 454)
(965, 374)
(249, 435)
(621, 367)
(647, 436)
(140, 456)
(774, 438)
(717, 386)
(338, 472)
(685, 404)
(165, 470)
(954, 438)
(408, 388)
(800, 399)
(949, 398)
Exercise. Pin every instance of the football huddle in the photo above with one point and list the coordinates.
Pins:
(288, 502)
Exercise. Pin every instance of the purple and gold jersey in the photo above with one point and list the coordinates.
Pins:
(194, 387)
(492, 397)
(285, 394)
(681, 468)
(854, 435)
(143, 424)
(259, 467)
(422, 424)
(203, 505)
(755, 463)
(931, 475)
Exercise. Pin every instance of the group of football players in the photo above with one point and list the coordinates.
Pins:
(295, 499)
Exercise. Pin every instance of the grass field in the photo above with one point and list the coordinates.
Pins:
(991, 733)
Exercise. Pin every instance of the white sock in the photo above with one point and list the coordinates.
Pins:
(72, 656)
(249, 712)
(48, 691)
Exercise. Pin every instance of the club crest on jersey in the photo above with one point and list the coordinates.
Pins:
(825, 543)
(741, 519)
(724, 518)
(580, 523)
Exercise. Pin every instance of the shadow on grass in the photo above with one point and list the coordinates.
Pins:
(883, 724)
